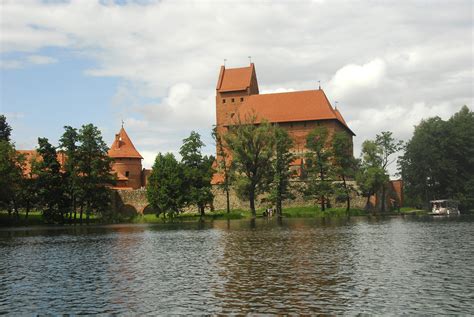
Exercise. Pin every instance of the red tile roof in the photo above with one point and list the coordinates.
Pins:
(234, 79)
(290, 107)
(123, 147)
(33, 156)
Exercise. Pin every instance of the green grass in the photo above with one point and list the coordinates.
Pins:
(412, 210)
(36, 218)
(316, 212)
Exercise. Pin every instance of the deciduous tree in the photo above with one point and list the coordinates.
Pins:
(223, 165)
(318, 166)
(344, 166)
(280, 188)
(251, 145)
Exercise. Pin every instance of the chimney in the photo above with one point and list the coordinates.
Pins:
(118, 139)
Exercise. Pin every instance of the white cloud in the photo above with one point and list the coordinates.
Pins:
(354, 77)
(388, 64)
(26, 61)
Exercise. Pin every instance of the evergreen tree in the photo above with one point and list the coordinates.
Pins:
(344, 166)
(165, 186)
(11, 179)
(318, 166)
(49, 182)
(197, 172)
(280, 187)
(94, 168)
(68, 143)
(223, 165)
(5, 129)
(251, 145)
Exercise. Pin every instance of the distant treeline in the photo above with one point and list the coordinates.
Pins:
(254, 159)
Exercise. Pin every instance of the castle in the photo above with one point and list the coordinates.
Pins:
(299, 112)
(127, 163)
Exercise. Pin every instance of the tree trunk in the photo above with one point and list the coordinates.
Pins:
(348, 198)
(321, 175)
(201, 213)
(80, 214)
(383, 198)
(27, 211)
(367, 204)
(227, 197)
(252, 203)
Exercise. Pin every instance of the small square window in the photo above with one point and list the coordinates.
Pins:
(127, 173)
(241, 99)
(232, 99)
(223, 100)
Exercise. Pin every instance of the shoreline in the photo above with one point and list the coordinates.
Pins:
(36, 220)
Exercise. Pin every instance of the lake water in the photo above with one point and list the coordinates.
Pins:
(362, 265)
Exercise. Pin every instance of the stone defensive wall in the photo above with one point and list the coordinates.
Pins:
(129, 202)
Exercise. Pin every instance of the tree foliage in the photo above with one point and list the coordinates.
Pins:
(47, 171)
(197, 169)
(94, 167)
(318, 166)
(344, 166)
(166, 186)
(438, 162)
(5, 129)
(11, 179)
(251, 145)
(280, 188)
(376, 158)
(223, 165)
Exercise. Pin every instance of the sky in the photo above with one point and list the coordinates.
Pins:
(154, 64)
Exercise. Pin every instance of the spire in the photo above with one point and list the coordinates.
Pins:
(123, 146)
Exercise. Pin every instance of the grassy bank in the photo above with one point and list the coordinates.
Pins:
(291, 212)
(36, 218)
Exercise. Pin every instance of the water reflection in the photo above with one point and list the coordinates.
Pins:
(358, 265)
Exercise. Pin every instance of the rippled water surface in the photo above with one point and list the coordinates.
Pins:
(391, 266)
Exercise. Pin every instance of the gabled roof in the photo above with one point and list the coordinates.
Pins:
(123, 147)
(290, 107)
(235, 79)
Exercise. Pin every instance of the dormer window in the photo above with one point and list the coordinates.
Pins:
(232, 99)
(223, 100)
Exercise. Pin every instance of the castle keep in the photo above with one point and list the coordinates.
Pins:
(299, 112)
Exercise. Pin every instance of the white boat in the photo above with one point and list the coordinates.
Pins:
(442, 207)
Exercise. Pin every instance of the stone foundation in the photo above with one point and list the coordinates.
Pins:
(130, 202)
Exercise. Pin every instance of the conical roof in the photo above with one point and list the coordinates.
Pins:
(123, 147)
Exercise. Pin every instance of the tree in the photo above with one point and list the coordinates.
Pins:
(165, 186)
(318, 165)
(5, 129)
(68, 143)
(344, 165)
(223, 165)
(11, 180)
(438, 161)
(49, 181)
(197, 172)
(251, 146)
(388, 146)
(280, 187)
(94, 168)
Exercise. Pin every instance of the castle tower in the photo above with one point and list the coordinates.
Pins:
(127, 164)
(234, 86)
